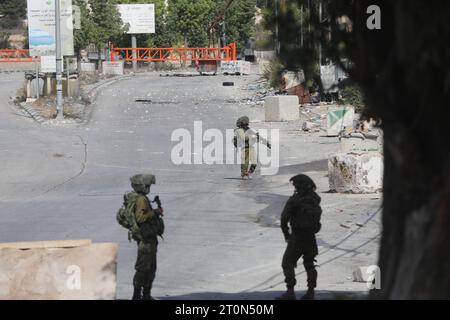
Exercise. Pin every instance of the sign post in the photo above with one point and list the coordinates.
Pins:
(59, 102)
(141, 19)
(50, 29)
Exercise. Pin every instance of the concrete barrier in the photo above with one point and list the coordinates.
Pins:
(113, 67)
(338, 118)
(235, 67)
(355, 173)
(58, 270)
(282, 108)
(360, 142)
(87, 67)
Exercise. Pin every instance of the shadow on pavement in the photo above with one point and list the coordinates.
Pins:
(268, 295)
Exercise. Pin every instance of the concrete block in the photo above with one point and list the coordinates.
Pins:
(366, 274)
(235, 67)
(113, 67)
(282, 108)
(355, 173)
(87, 67)
(310, 126)
(359, 142)
(338, 118)
(87, 272)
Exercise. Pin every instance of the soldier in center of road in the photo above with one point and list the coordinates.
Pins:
(245, 139)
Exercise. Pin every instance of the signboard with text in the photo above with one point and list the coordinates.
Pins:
(41, 28)
(139, 17)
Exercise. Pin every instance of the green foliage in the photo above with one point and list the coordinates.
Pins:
(100, 24)
(273, 73)
(107, 21)
(189, 20)
(4, 40)
(351, 94)
(297, 35)
(13, 12)
(239, 21)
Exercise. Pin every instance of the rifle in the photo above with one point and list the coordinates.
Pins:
(158, 202)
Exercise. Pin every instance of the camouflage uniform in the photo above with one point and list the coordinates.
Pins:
(147, 247)
(302, 212)
(245, 139)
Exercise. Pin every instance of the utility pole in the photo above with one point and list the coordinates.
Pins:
(320, 29)
(224, 29)
(134, 46)
(301, 26)
(276, 29)
(59, 102)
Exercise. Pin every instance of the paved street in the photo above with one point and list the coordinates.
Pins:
(222, 241)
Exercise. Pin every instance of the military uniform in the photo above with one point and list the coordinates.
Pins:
(245, 139)
(146, 262)
(147, 248)
(302, 214)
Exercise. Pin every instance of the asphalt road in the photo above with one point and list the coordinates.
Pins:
(66, 182)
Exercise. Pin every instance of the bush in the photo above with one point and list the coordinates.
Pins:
(273, 73)
(351, 94)
(4, 40)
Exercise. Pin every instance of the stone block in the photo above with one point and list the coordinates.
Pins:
(310, 126)
(338, 118)
(355, 173)
(87, 67)
(282, 108)
(113, 67)
(360, 142)
(86, 272)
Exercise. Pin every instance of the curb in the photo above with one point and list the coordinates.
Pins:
(36, 116)
(87, 97)
(90, 96)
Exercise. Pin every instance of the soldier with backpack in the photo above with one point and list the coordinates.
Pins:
(144, 224)
(302, 213)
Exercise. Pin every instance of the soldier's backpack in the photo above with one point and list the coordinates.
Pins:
(126, 218)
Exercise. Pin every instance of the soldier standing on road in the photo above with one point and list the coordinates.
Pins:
(149, 223)
(245, 139)
(302, 212)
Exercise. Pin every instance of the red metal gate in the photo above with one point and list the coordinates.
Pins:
(175, 54)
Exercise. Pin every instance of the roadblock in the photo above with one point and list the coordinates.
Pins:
(58, 270)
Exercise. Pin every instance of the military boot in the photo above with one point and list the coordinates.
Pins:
(146, 294)
(288, 295)
(309, 295)
(137, 295)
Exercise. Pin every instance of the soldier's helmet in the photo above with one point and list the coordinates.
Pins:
(141, 182)
(303, 184)
(242, 122)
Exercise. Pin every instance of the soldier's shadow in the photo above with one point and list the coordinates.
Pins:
(267, 295)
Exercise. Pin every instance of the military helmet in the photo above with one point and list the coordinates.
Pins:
(141, 182)
(303, 183)
(242, 122)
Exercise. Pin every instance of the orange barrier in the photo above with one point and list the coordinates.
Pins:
(15, 55)
(175, 54)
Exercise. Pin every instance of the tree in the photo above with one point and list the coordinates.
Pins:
(403, 71)
(189, 19)
(100, 24)
(12, 13)
(239, 21)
